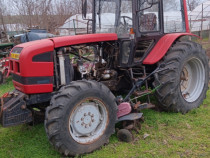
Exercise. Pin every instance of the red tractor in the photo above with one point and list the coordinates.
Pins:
(133, 52)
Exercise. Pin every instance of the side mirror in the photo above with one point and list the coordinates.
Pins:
(84, 8)
(152, 2)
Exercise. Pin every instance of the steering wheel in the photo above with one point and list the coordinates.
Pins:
(124, 26)
(124, 17)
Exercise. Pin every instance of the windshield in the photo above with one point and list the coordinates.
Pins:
(174, 20)
(113, 16)
(148, 16)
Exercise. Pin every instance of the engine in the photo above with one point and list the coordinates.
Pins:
(92, 62)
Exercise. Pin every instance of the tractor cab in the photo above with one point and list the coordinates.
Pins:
(139, 24)
(141, 17)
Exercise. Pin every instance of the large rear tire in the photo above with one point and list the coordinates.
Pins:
(81, 118)
(185, 83)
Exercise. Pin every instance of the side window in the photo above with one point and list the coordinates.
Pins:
(105, 16)
(173, 17)
(125, 19)
(148, 16)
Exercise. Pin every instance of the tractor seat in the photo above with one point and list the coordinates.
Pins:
(148, 22)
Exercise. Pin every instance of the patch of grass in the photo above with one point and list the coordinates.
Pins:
(170, 135)
(7, 86)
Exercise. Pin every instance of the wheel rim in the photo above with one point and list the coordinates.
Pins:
(88, 121)
(192, 79)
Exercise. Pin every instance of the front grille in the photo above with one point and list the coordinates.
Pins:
(17, 67)
(11, 66)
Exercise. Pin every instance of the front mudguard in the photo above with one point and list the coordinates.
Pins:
(14, 110)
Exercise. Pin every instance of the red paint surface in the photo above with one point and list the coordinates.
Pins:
(162, 47)
(80, 39)
(186, 17)
(124, 109)
(28, 68)
(31, 89)
(34, 69)
(5, 95)
(6, 62)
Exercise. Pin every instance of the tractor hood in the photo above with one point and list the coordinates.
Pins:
(80, 39)
(31, 63)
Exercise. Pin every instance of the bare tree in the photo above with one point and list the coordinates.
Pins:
(47, 14)
(60, 11)
(192, 4)
(171, 5)
(26, 9)
(2, 14)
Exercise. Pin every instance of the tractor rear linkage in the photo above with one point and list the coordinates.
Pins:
(125, 103)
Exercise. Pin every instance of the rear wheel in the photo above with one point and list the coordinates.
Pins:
(81, 118)
(184, 84)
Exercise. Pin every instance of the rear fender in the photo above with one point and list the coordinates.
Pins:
(162, 46)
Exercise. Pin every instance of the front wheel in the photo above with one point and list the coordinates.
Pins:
(185, 83)
(81, 118)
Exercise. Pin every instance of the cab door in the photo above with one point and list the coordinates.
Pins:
(148, 27)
